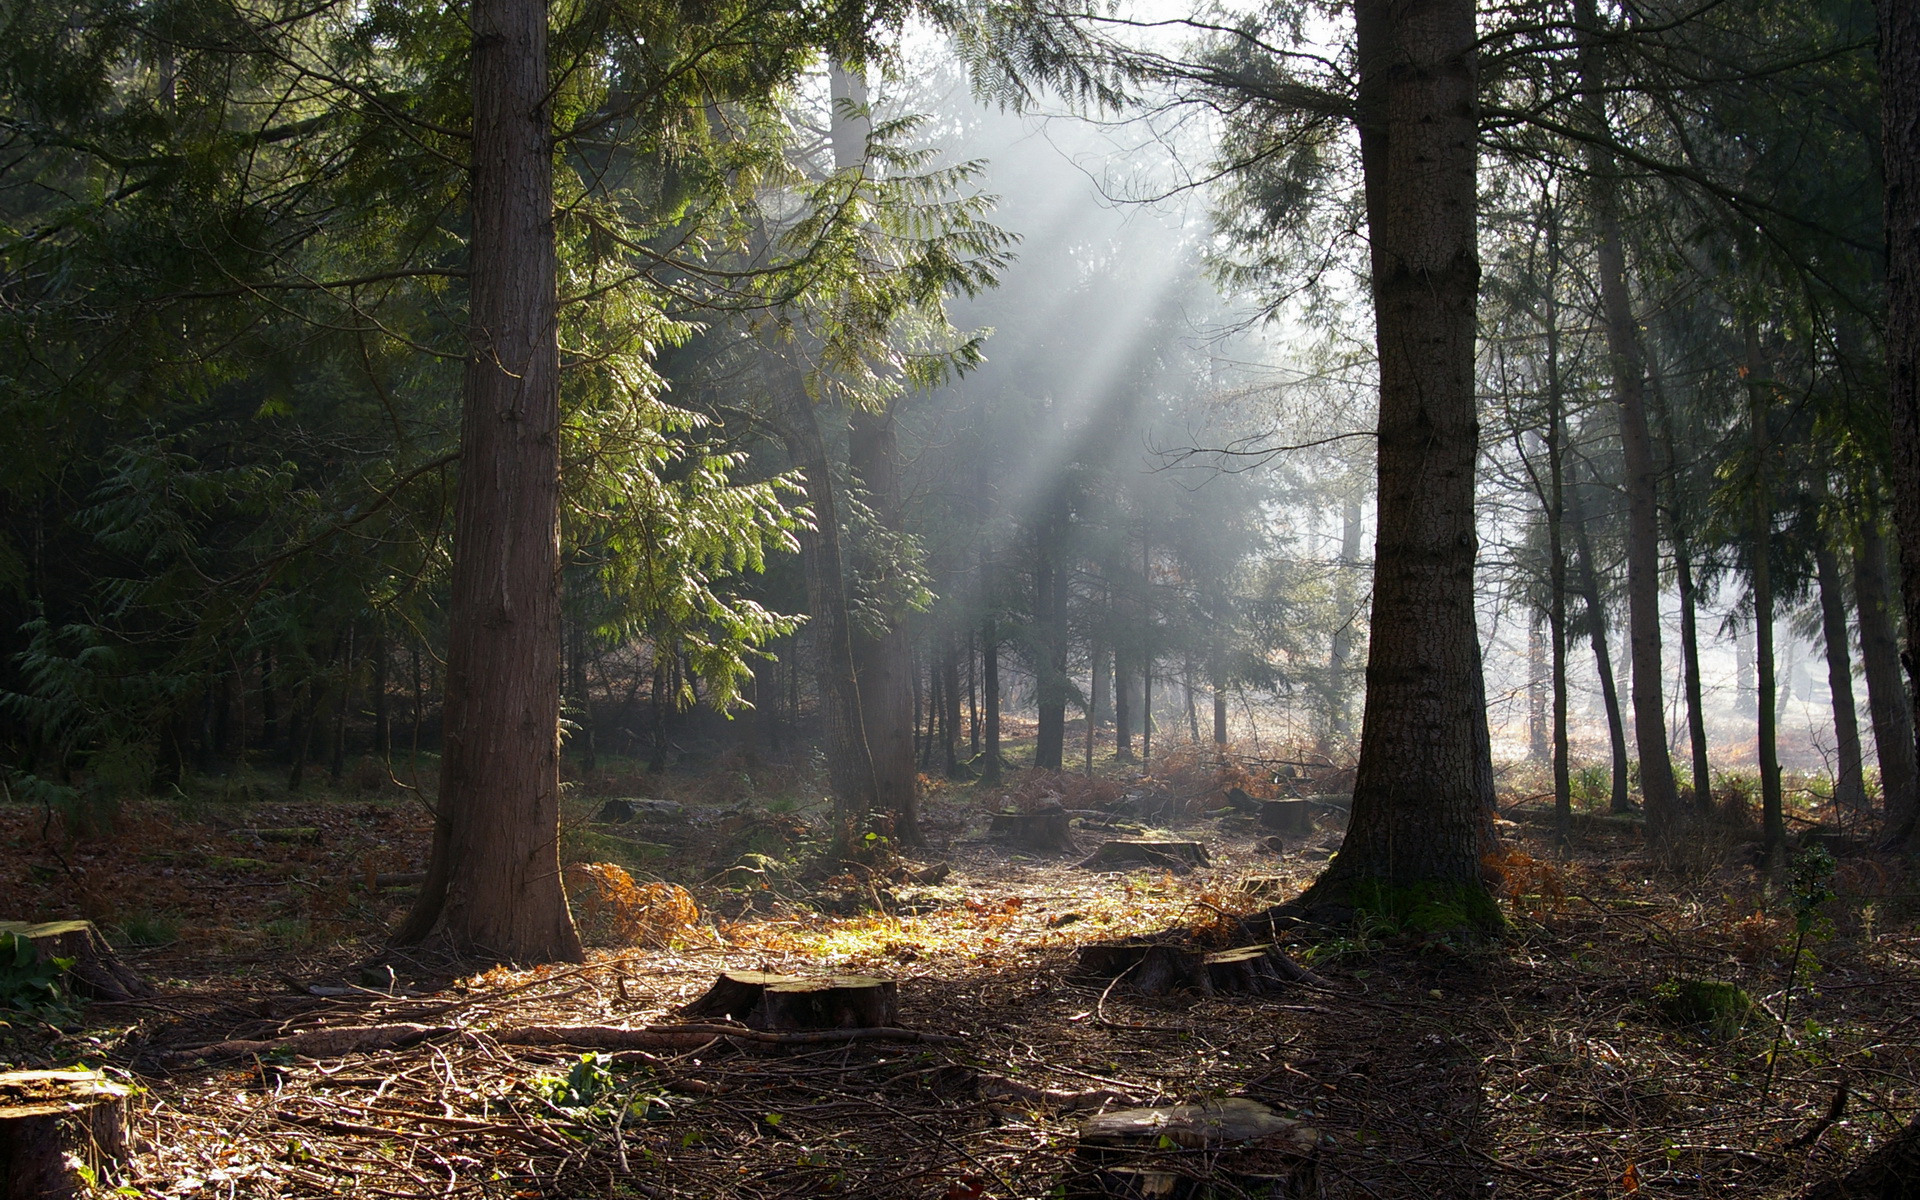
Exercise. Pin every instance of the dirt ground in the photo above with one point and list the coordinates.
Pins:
(1552, 1063)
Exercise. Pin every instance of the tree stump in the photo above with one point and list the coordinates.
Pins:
(1045, 829)
(96, 970)
(56, 1127)
(1179, 857)
(1287, 816)
(1157, 968)
(1265, 887)
(764, 1000)
(1218, 1148)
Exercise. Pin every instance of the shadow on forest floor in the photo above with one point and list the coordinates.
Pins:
(1547, 1065)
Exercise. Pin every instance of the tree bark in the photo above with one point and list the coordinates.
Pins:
(1887, 701)
(1423, 791)
(1556, 504)
(1849, 786)
(1340, 701)
(1900, 150)
(1636, 442)
(881, 657)
(1773, 813)
(1050, 615)
(1602, 656)
(1680, 528)
(850, 768)
(493, 885)
(989, 673)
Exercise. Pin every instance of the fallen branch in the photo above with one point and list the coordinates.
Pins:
(653, 1037)
(320, 1043)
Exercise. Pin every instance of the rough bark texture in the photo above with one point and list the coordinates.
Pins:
(1423, 791)
(1636, 442)
(493, 884)
(56, 1127)
(1849, 785)
(1900, 149)
(1887, 702)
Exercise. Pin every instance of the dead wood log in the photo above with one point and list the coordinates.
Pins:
(96, 972)
(334, 1042)
(1179, 857)
(1047, 829)
(656, 1037)
(1155, 968)
(57, 1128)
(767, 1001)
(1194, 1152)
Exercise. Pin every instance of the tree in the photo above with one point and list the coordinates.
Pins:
(493, 882)
(1423, 791)
(1900, 152)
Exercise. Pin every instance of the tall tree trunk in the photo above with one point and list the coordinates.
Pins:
(1899, 56)
(950, 685)
(850, 770)
(1425, 715)
(1849, 786)
(269, 704)
(1341, 699)
(1602, 655)
(990, 697)
(1538, 735)
(1682, 538)
(343, 698)
(1123, 704)
(1556, 503)
(1690, 671)
(1887, 701)
(382, 706)
(1099, 684)
(580, 701)
(1636, 441)
(989, 672)
(1146, 709)
(880, 656)
(1050, 613)
(1217, 676)
(493, 883)
(1760, 531)
(973, 699)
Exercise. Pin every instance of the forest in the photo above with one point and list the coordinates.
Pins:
(969, 599)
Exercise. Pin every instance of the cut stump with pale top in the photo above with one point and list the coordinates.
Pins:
(96, 972)
(764, 1000)
(57, 1127)
(1157, 968)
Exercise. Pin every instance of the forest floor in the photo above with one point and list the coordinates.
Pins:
(1550, 1063)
